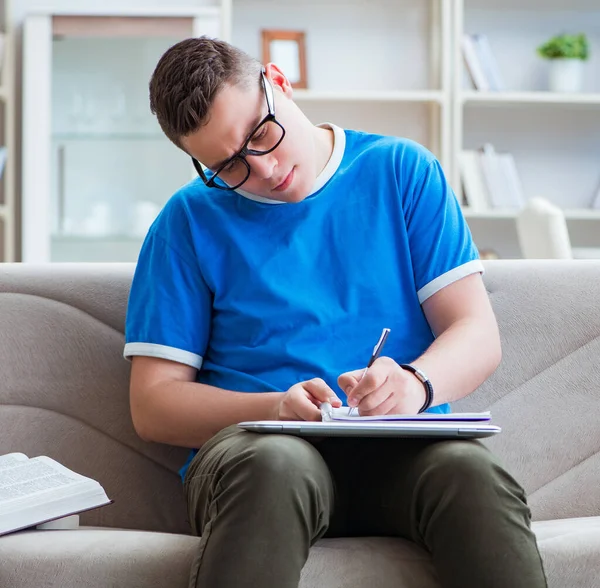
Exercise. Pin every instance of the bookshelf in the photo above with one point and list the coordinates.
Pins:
(554, 137)
(385, 66)
(379, 66)
(7, 139)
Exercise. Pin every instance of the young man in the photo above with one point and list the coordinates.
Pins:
(259, 293)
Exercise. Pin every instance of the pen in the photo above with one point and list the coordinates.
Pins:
(376, 353)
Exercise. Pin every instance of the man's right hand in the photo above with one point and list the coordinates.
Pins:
(302, 401)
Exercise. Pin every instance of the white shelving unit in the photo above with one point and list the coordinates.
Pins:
(555, 138)
(385, 66)
(7, 101)
(379, 66)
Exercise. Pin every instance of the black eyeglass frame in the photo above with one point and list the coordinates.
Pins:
(244, 151)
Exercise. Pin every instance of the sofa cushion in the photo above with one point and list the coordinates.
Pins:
(103, 558)
(96, 558)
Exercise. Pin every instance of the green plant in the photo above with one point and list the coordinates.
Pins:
(565, 47)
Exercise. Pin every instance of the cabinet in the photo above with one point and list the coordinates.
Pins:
(96, 166)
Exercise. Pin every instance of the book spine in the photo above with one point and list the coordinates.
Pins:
(473, 64)
(474, 188)
(489, 63)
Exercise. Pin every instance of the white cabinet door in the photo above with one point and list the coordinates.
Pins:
(96, 167)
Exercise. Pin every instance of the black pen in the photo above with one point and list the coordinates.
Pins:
(376, 353)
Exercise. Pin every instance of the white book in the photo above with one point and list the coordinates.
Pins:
(474, 187)
(3, 157)
(2, 50)
(596, 200)
(494, 177)
(38, 490)
(488, 62)
(513, 186)
(474, 66)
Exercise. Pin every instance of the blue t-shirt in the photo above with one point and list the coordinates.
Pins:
(260, 295)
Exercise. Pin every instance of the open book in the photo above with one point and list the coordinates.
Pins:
(344, 414)
(38, 490)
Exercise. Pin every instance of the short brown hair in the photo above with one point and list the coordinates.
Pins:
(187, 79)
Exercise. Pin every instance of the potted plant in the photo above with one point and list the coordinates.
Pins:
(566, 54)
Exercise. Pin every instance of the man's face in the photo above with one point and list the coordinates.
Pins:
(287, 173)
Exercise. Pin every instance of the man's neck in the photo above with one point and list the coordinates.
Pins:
(324, 141)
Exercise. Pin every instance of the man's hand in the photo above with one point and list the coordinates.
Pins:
(302, 401)
(386, 388)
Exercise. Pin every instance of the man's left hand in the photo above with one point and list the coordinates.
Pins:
(386, 388)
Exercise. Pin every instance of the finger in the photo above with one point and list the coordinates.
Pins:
(319, 389)
(373, 379)
(302, 407)
(385, 407)
(348, 381)
(370, 404)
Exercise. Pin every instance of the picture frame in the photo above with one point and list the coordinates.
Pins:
(287, 49)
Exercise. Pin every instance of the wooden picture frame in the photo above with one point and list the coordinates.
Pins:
(286, 49)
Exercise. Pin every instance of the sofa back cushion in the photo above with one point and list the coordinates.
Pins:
(64, 389)
(64, 386)
(546, 392)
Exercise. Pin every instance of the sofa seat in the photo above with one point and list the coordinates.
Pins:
(103, 558)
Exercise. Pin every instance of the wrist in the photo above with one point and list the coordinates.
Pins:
(275, 408)
(425, 382)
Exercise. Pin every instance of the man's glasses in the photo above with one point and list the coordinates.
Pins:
(265, 138)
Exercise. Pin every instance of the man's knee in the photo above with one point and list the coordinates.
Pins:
(470, 467)
(265, 462)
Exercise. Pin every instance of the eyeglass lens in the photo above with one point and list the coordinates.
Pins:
(263, 140)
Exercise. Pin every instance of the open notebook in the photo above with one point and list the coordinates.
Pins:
(346, 414)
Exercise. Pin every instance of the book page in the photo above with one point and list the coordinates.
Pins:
(12, 459)
(35, 476)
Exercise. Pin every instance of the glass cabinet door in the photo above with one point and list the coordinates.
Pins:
(112, 169)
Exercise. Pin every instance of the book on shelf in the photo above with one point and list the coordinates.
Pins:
(481, 63)
(490, 179)
(501, 178)
(2, 51)
(596, 199)
(475, 190)
(34, 491)
(3, 158)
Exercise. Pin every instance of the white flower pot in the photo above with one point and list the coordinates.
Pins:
(566, 75)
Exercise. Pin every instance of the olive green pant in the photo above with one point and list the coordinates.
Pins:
(260, 501)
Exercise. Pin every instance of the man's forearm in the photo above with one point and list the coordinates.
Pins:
(187, 414)
(461, 359)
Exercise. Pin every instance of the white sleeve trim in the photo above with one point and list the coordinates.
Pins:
(164, 352)
(462, 271)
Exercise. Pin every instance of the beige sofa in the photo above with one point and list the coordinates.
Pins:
(63, 393)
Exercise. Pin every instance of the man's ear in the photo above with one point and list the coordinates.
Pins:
(278, 79)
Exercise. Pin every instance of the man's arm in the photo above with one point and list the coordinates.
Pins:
(168, 406)
(464, 354)
(467, 348)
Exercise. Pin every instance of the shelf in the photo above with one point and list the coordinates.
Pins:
(150, 12)
(107, 136)
(96, 238)
(576, 214)
(525, 98)
(416, 96)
